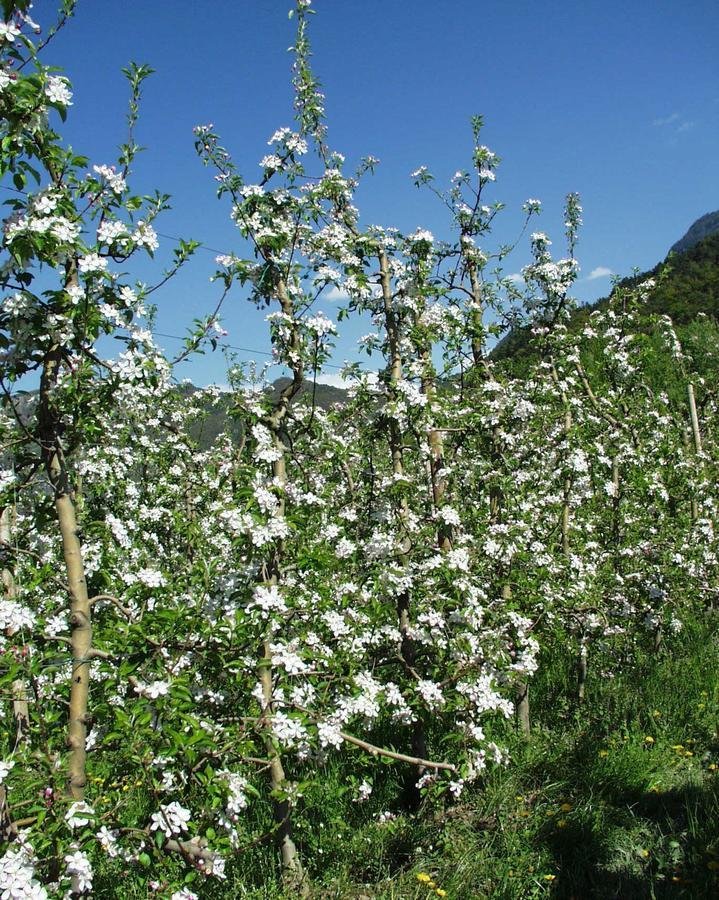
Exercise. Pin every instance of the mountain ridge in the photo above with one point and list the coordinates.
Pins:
(701, 228)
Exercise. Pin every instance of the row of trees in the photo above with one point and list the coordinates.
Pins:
(189, 631)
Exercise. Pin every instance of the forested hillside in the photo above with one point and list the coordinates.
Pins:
(686, 289)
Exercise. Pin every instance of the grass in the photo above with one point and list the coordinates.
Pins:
(616, 799)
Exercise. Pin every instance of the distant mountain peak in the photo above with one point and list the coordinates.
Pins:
(703, 227)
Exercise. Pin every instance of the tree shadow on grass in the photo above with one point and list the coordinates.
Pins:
(640, 844)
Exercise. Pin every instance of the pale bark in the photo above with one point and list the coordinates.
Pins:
(697, 439)
(435, 440)
(20, 710)
(419, 739)
(582, 669)
(293, 873)
(496, 498)
(567, 490)
(521, 708)
(477, 336)
(616, 502)
(521, 699)
(49, 429)
(81, 643)
(21, 713)
(582, 657)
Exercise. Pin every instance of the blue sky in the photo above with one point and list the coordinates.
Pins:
(616, 100)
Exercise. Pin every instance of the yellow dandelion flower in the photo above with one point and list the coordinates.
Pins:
(423, 877)
(550, 877)
(566, 807)
(645, 854)
(440, 892)
(562, 823)
(649, 739)
(603, 753)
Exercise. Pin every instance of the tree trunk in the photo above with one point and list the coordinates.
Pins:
(293, 875)
(582, 669)
(521, 708)
(697, 437)
(49, 429)
(20, 710)
(521, 699)
(407, 648)
(292, 872)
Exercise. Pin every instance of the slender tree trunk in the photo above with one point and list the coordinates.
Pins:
(697, 438)
(567, 492)
(616, 504)
(658, 638)
(496, 498)
(81, 643)
(293, 873)
(435, 441)
(566, 524)
(49, 428)
(407, 648)
(521, 708)
(477, 334)
(582, 669)
(20, 710)
(521, 698)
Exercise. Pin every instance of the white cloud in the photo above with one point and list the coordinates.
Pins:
(678, 123)
(667, 120)
(340, 294)
(517, 278)
(335, 293)
(346, 383)
(599, 272)
(333, 380)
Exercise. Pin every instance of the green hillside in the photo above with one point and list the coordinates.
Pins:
(687, 286)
